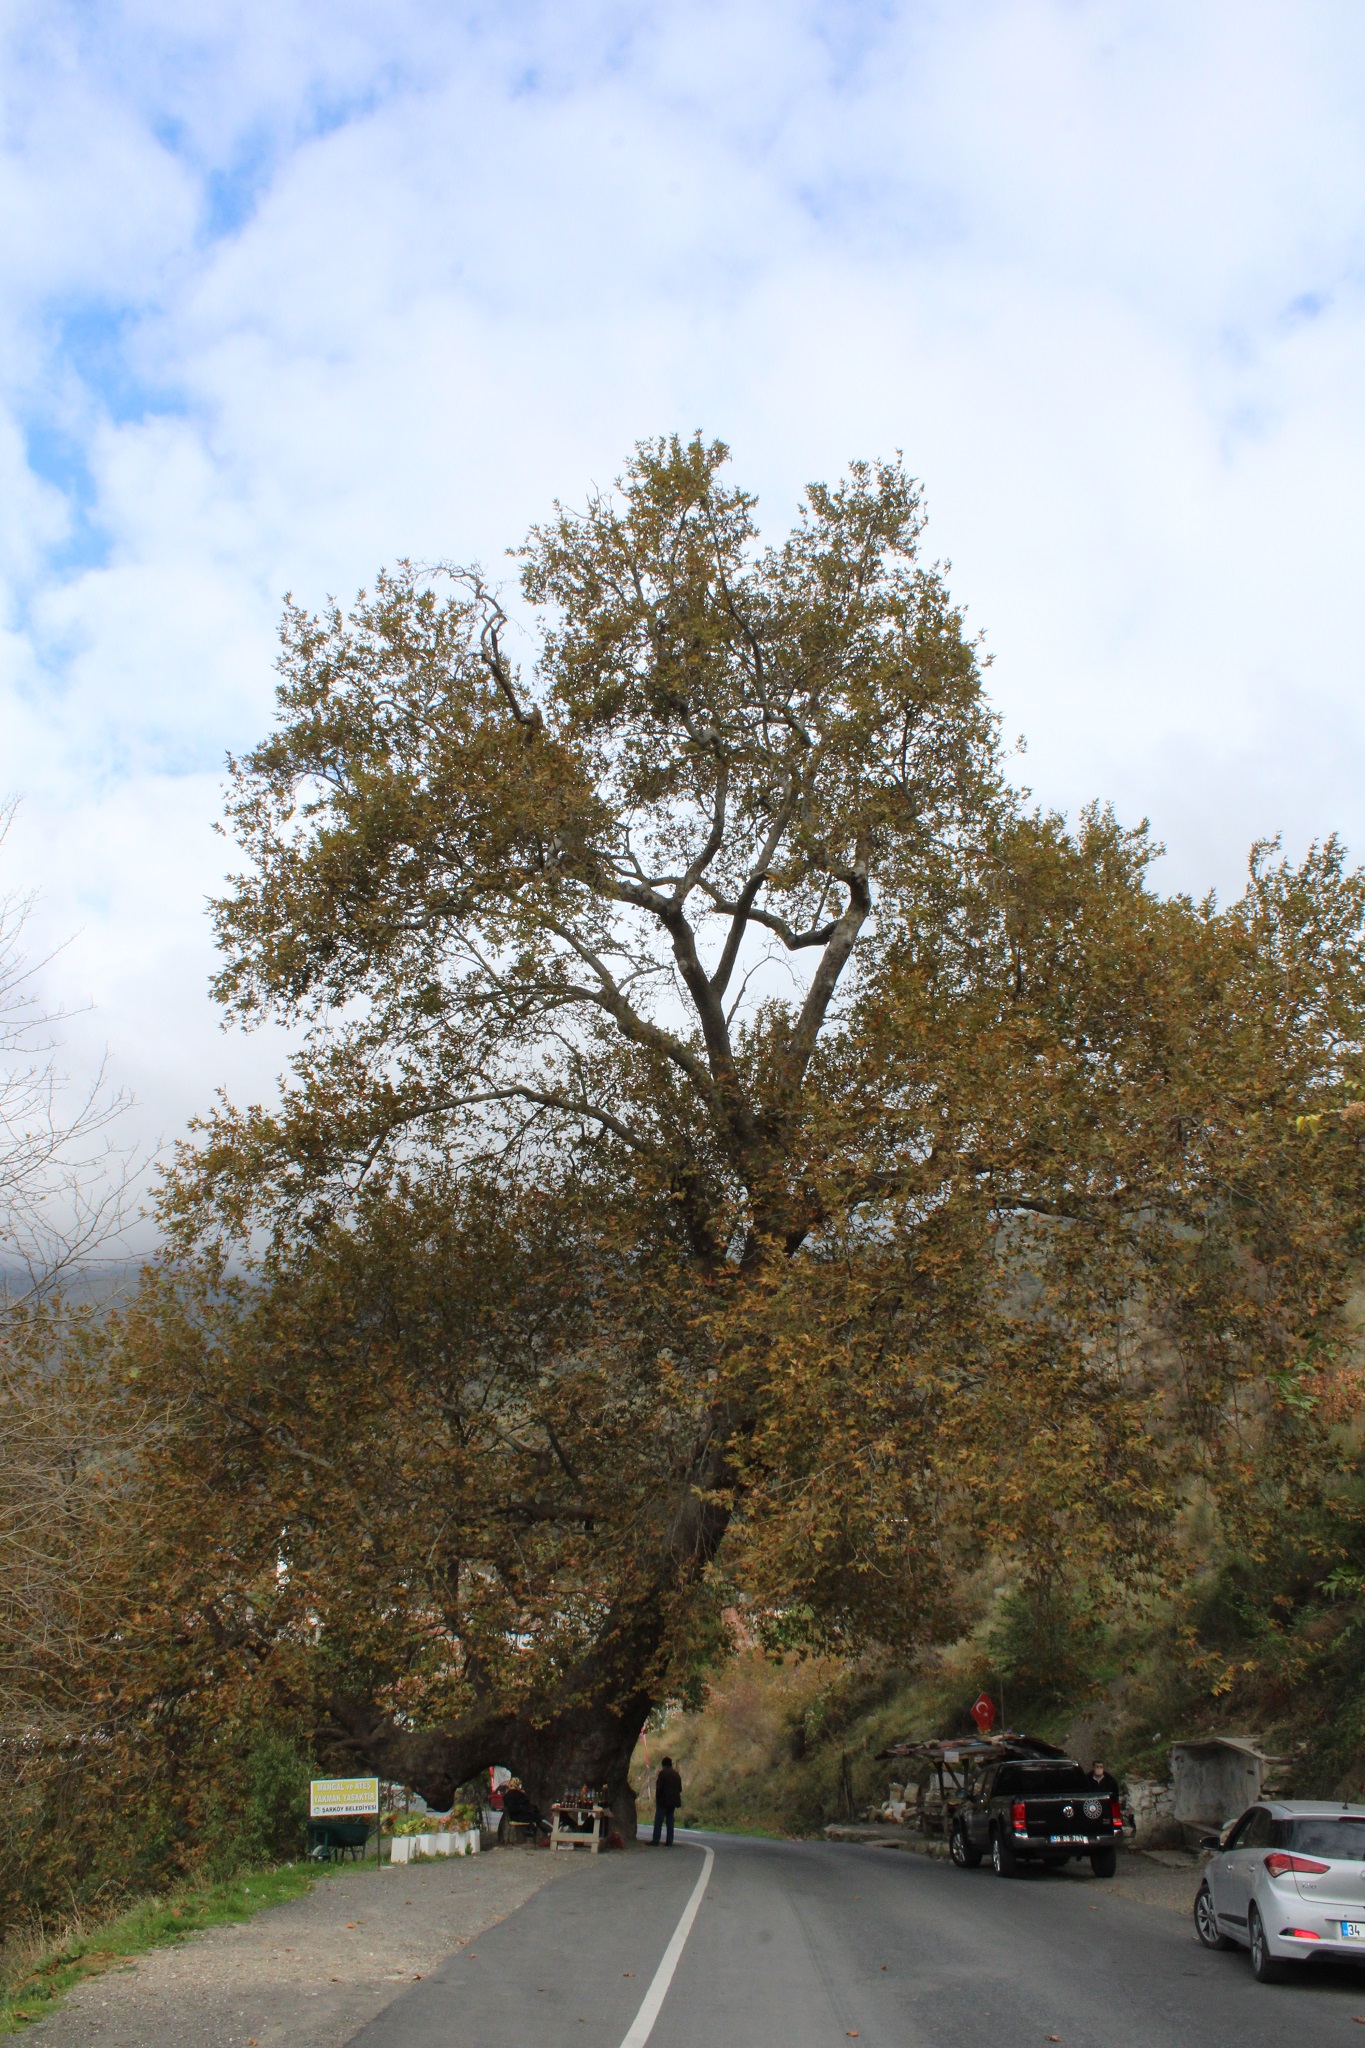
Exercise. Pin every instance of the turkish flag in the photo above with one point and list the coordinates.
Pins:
(983, 1713)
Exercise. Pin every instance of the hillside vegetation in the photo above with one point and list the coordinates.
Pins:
(787, 1743)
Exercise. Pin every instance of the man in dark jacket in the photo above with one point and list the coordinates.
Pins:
(667, 1799)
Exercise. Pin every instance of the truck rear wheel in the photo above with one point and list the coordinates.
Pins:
(1104, 1862)
(961, 1848)
(1004, 1862)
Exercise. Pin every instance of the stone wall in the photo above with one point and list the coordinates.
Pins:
(1152, 1806)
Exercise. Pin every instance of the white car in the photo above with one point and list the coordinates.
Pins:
(1287, 1882)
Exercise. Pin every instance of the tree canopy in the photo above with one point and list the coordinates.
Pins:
(735, 1148)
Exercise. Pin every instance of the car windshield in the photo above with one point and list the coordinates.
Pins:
(1329, 1835)
(1021, 1779)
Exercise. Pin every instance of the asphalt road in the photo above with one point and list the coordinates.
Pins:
(810, 1944)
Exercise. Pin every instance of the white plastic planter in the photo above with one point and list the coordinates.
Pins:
(451, 1842)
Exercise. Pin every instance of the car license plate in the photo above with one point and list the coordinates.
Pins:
(1352, 1930)
(1068, 1838)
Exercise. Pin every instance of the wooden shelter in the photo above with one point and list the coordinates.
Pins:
(946, 1769)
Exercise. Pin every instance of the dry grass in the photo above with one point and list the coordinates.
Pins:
(769, 1749)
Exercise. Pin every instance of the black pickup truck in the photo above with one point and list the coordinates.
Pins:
(1036, 1810)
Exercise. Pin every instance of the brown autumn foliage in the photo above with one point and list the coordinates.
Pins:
(65, 1450)
(608, 1266)
(734, 1148)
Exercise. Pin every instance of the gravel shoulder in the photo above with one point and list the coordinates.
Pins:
(309, 1974)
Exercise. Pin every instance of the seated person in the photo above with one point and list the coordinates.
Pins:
(518, 1806)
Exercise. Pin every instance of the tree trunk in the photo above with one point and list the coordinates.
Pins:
(551, 1754)
(590, 1739)
(592, 1746)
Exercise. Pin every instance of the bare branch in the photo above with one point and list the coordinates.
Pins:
(64, 1185)
(548, 1098)
(490, 642)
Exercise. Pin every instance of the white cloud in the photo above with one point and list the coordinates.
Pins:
(299, 290)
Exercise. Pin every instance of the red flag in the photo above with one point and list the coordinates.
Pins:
(983, 1713)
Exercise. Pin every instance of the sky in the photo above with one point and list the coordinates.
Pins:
(290, 290)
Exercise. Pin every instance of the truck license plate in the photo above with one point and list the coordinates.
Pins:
(1068, 1838)
(1352, 1930)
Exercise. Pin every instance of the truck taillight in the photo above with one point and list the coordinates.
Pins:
(1116, 1814)
(1279, 1865)
(1017, 1816)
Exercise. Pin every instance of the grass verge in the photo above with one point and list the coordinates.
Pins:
(743, 1827)
(40, 1977)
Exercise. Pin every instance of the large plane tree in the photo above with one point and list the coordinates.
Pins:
(723, 1128)
(596, 916)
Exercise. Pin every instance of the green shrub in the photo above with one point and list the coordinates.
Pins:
(1048, 1646)
(275, 1809)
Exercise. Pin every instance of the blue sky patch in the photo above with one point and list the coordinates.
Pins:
(59, 459)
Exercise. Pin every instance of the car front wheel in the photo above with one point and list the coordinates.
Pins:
(961, 1850)
(1206, 1921)
(1265, 1968)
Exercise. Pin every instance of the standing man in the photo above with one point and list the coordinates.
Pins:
(1104, 1781)
(667, 1799)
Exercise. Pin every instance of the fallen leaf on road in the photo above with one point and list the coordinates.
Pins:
(627, 1973)
(852, 2033)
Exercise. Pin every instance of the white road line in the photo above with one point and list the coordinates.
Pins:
(643, 2025)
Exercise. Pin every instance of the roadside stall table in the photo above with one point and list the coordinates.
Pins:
(579, 1823)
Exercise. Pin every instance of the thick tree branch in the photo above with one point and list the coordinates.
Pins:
(715, 838)
(743, 907)
(609, 997)
(742, 910)
(826, 977)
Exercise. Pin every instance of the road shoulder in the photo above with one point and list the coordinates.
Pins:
(309, 1974)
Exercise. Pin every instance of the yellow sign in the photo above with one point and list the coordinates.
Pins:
(342, 1798)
